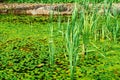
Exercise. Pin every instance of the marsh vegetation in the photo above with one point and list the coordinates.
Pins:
(82, 46)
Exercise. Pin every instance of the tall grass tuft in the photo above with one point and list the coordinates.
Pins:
(51, 40)
(73, 42)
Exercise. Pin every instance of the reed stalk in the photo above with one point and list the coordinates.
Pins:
(73, 41)
(51, 40)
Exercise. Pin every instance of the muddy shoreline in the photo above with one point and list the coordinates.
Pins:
(56, 9)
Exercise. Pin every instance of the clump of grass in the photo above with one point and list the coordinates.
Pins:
(73, 42)
(51, 41)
